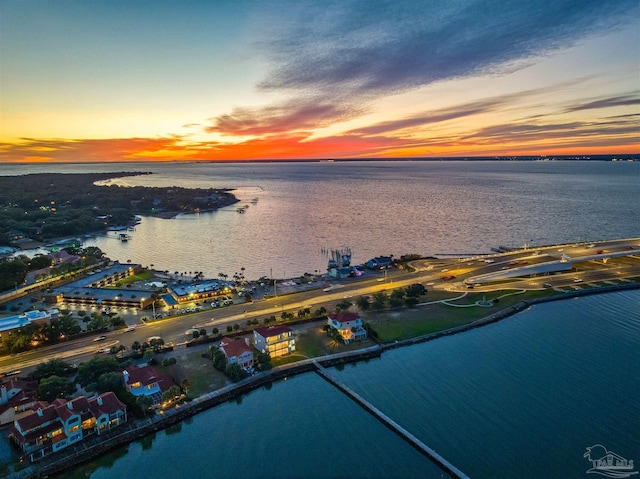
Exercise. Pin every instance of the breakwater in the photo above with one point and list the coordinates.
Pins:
(96, 446)
(392, 425)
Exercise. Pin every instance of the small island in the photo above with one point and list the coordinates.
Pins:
(46, 206)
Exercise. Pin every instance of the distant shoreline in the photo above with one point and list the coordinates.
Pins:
(622, 157)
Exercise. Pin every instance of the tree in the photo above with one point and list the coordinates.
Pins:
(185, 385)
(229, 328)
(396, 298)
(235, 372)
(54, 387)
(415, 290)
(214, 331)
(363, 303)
(263, 360)
(89, 372)
(53, 367)
(343, 305)
(411, 301)
(203, 332)
(195, 334)
(379, 301)
(111, 381)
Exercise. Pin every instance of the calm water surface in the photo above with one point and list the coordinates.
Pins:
(519, 399)
(375, 208)
(522, 398)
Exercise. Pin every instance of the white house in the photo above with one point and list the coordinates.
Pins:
(237, 351)
(276, 340)
(349, 325)
(146, 381)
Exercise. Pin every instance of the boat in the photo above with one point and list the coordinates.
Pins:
(254, 200)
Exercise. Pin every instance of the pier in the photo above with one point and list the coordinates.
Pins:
(391, 424)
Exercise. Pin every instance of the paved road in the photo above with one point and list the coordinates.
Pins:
(428, 272)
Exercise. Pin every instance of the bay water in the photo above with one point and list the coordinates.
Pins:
(374, 208)
(521, 398)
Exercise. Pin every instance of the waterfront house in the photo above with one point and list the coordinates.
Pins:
(146, 381)
(53, 427)
(349, 325)
(237, 351)
(379, 262)
(276, 340)
(17, 397)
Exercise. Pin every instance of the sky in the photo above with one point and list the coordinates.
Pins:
(160, 80)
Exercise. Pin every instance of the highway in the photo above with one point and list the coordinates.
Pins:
(591, 263)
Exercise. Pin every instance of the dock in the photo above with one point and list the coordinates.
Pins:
(392, 425)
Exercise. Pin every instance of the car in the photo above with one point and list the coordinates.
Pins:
(448, 278)
(99, 338)
(189, 332)
(215, 304)
(600, 251)
(522, 262)
(546, 285)
(511, 263)
(469, 286)
(130, 329)
(327, 289)
(227, 302)
(577, 280)
(153, 338)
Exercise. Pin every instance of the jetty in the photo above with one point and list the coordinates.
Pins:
(449, 468)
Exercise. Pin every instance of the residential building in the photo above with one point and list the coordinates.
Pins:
(53, 427)
(237, 351)
(276, 340)
(146, 381)
(38, 317)
(17, 397)
(379, 262)
(349, 325)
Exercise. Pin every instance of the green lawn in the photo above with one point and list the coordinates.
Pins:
(408, 323)
(202, 376)
(143, 276)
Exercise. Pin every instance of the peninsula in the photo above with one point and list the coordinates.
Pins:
(46, 206)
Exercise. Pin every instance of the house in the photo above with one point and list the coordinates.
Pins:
(276, 340)
(38, 317)
(340, 273)
(62, 256)
(146, 381)
(237, 351)
(379, 262)
(17, 397)
(349, 325)
(53, 427)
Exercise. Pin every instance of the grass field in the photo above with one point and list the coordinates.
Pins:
(408, 323)
(202, 376)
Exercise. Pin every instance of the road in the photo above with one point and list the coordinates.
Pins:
(428, 272)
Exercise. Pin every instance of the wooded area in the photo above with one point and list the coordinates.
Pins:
(47, 206)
